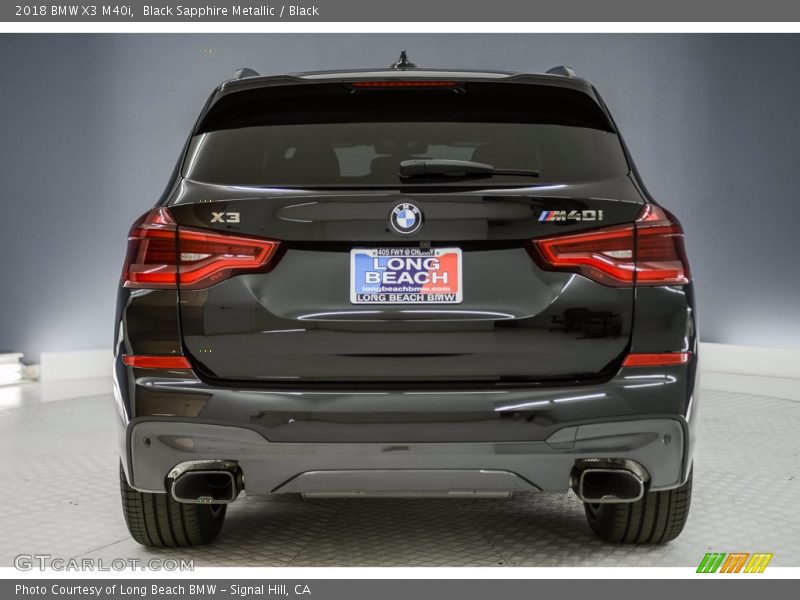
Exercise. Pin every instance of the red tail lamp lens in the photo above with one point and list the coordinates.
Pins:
(405, 83)
(208, 258)
(156, 362)
(656, 360)
(648, 252)
(150, 261)
(660, 252)
(162, 255)
(604, 255)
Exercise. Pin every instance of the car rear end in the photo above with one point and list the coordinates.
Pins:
(296, 317)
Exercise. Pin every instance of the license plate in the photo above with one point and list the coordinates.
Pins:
(405, 276)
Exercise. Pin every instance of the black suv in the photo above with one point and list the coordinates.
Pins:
(405, 282)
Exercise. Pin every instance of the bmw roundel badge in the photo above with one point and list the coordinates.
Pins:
(406, 218)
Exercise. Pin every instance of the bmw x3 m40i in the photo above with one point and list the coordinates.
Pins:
(405, 281)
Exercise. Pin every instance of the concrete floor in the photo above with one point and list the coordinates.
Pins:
(59, 464)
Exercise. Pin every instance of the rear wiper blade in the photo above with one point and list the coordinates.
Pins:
(456, 168)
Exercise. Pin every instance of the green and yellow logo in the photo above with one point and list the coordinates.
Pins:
(734, 562)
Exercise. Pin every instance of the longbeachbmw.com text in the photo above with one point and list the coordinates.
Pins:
(161, 11)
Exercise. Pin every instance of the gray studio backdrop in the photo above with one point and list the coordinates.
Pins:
(91, 126)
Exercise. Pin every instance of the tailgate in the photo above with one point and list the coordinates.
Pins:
(505, 319)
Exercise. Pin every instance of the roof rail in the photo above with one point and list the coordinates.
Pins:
(245, 72)
(562, 70)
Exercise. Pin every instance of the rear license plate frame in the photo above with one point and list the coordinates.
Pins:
(440, 289)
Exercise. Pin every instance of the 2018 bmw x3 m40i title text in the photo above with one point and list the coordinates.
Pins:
(405, 281)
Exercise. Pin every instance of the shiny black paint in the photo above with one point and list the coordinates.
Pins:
(663, 321)
(182, 393)
(497, 414)
(298, 323)
(466, 405)
(462, 214)
(517, 322)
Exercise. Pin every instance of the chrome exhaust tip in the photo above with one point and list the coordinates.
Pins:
(205, 482)
(608, 481)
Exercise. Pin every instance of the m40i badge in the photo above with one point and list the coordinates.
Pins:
(571, 215)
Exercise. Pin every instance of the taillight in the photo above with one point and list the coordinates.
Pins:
(151, 258)
(660, 253)
(605, 255)
(163, 255)
(208, 258)
(649, 252)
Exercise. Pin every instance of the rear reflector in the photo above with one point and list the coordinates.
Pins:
(656, 360)
(405, 83)
(162, 255)
(156, 362)
(648, 252)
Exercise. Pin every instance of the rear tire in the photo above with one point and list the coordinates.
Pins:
(159, 520)
(657, 518)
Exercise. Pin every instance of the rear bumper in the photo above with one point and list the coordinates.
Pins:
(404, 440)
(155, 446)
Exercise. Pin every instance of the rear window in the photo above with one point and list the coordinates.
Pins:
(328, 135)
